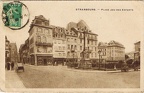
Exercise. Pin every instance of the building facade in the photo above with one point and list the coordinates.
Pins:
(7, 50)
(40, 41)
(112, 51)
(115, 51)
(59, 44)
(137, 51)
(102, 48)
(24, 52)
(81, 33)
(13, 52)
(49, 44)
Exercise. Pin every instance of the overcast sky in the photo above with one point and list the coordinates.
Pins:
(124, 27)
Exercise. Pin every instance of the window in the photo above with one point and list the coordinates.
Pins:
(44, 39)
(38, 50)
(67, 39)
(75, 40)
(68, 46)
(38, 22)
(80, 47)
(80, 40)
(63, 48)
(39, 30)
(45, 49)
(92, 42)
(38, 39)
(59, 47)
(63, 42)
(71, 46)
(63, 54)
(59, 54)
(75, 47)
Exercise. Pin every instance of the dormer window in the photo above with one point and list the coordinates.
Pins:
(38, 22)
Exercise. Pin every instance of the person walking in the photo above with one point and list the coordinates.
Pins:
(12, 65)
(8, 65)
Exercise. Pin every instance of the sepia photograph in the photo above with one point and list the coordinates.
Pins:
(72, 45)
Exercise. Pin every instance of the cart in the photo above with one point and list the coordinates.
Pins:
(19, 66)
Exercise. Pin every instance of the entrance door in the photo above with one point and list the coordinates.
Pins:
(45, 62)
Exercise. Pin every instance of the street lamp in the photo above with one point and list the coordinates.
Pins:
(99, 57)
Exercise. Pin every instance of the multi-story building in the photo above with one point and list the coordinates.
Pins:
(40, 41)
(111, 52)
(24, 52)
(137, 51)
(72, 45)
(115, 51)
(7, 50)
(13, 52)
(102, 48)
(59, 44)
(48, 43)
(82, 32)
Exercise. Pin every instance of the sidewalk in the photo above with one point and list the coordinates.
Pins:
(13, 80)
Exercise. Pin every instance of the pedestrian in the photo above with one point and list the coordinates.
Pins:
(12, 65)
(8, 65)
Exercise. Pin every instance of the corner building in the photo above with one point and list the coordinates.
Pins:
(40, 41)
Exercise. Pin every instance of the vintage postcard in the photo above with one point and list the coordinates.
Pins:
(72, 46)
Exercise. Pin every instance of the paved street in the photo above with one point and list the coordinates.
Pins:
(63, 77)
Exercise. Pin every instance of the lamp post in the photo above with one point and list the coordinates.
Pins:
(99, 57)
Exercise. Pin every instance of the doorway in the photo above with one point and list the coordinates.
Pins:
(45, 62)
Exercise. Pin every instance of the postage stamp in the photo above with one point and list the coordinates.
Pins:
(13, 15)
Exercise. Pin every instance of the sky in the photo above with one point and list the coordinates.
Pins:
(122, 26)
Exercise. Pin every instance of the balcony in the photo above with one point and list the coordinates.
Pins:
(44, 44)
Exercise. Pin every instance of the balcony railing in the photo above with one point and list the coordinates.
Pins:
(43, 44)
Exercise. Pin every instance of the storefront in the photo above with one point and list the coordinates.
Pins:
(59, 61)
(44, 59)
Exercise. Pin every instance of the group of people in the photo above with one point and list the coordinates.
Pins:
(10, 65)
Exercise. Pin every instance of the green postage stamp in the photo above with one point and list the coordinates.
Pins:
(13, 15)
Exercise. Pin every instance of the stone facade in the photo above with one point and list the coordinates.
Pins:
(112, 51)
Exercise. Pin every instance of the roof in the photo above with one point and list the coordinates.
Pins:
(137, 42)
(102, 44)
(83, 23)
(115, 43)
(40, 17)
